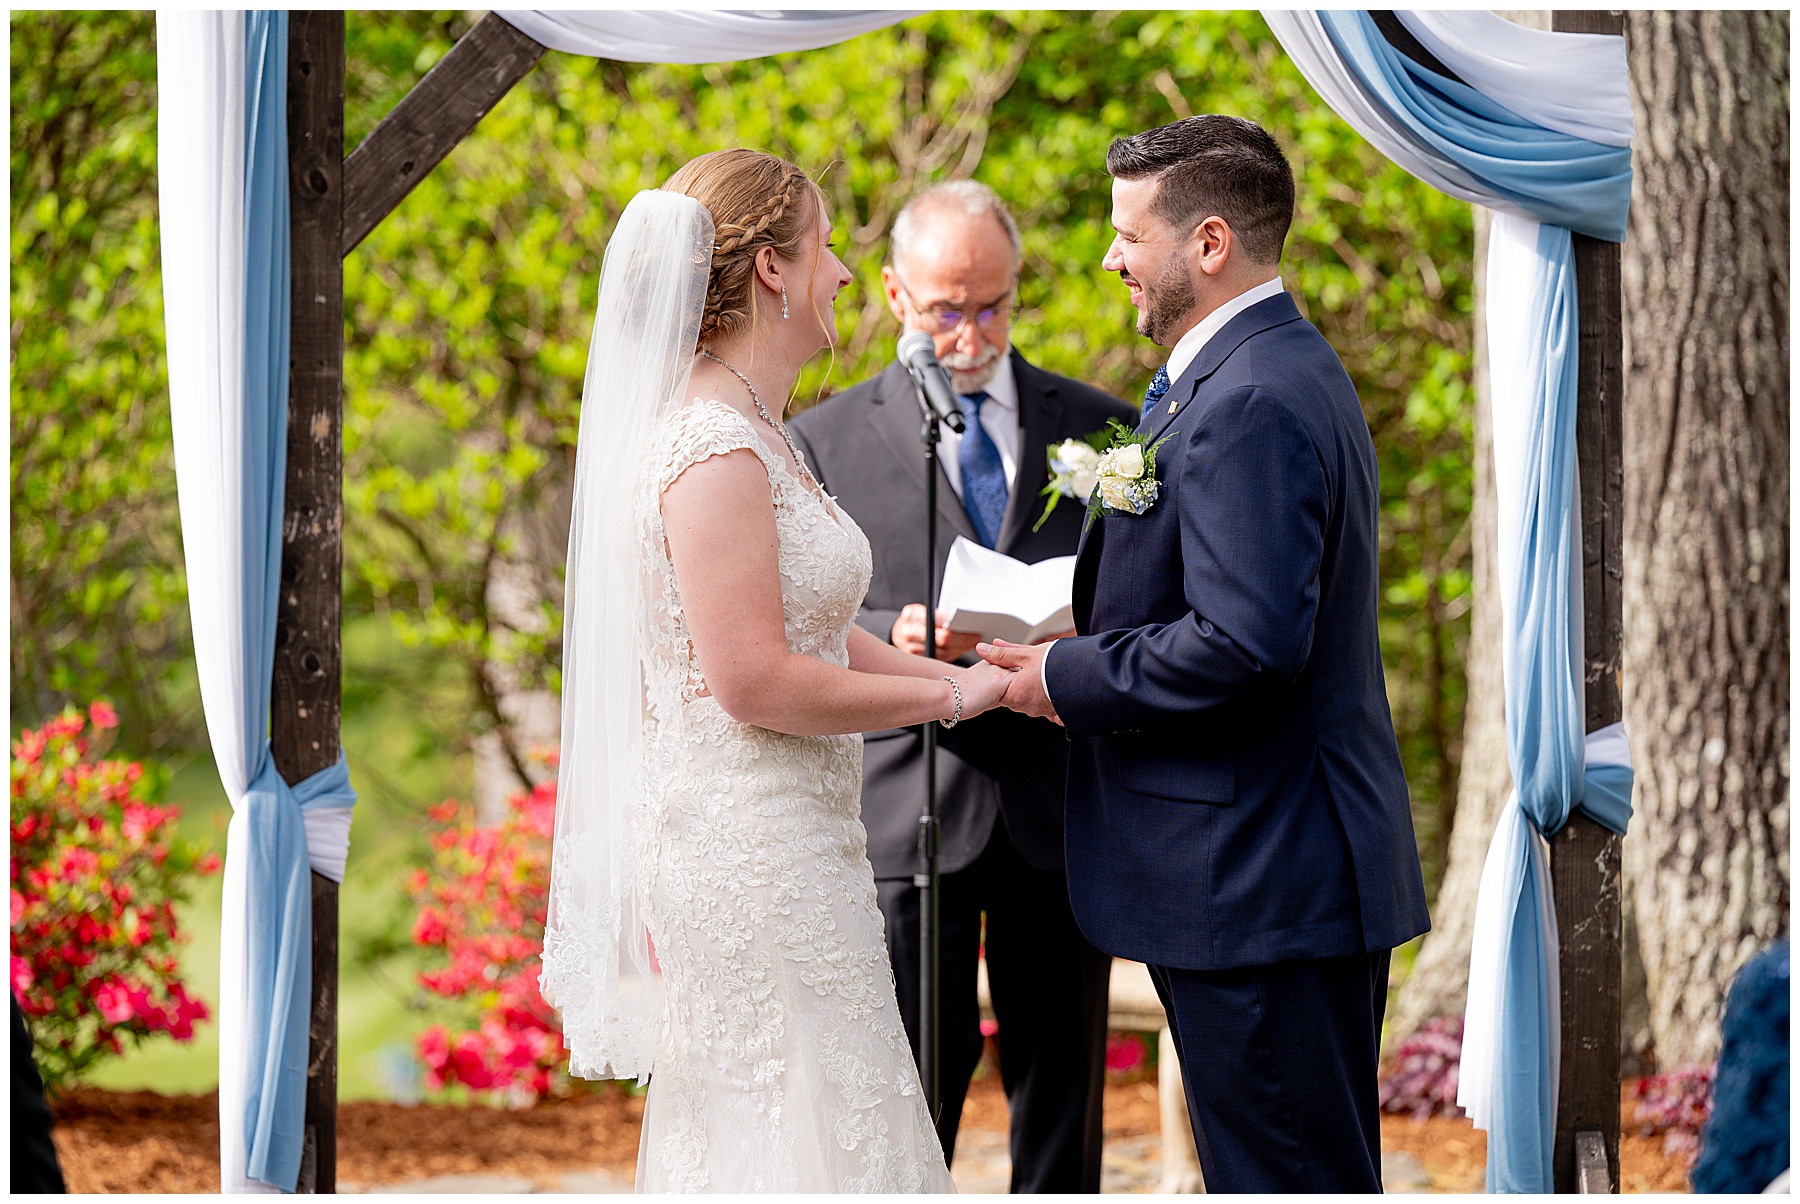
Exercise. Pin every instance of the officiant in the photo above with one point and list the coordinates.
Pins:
(953, 272)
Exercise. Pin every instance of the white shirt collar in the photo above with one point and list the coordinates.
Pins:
(1188, 349)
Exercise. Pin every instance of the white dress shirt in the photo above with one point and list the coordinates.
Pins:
(1191, 344)
(1187, 349)
(999, 418)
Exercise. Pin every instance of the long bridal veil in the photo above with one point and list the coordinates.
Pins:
(598, 967)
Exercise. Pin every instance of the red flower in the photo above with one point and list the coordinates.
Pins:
(115, 1003)
(103, 715)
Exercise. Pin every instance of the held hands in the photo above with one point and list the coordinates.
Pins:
(1025, 683)
(908, 635)
(983, 687)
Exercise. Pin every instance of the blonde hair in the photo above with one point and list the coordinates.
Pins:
(756, 200)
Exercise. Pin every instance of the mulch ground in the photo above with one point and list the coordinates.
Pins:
(139, 1141)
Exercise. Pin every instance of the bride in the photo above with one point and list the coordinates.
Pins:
(712, 921)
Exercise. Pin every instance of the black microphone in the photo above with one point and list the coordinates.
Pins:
(919, 355)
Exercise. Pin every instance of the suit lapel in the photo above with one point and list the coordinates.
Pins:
(1264, 315)
(1040, 417)
(896, 417)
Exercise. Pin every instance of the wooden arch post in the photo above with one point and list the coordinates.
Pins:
(1585, 857)
(335, 203)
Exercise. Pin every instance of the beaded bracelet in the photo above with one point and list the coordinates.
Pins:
(955, 715)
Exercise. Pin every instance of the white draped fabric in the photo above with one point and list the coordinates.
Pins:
(661, 36)
(1574, 83)
(200, 150)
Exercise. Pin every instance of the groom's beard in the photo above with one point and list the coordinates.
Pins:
(971, 373)
(1167, 299)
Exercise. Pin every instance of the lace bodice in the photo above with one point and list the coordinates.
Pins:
(782, 1065)
(824, 557)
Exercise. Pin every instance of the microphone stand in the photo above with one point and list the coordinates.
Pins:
(926, 880)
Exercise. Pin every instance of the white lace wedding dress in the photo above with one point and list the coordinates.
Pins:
(782, 1064)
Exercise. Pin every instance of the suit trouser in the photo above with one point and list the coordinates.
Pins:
(1048, 986)
(1279, 1062)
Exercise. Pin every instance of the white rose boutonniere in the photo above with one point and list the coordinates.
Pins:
(1127, 473)
(1113, 468)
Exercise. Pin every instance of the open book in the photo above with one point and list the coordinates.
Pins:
(990, 594)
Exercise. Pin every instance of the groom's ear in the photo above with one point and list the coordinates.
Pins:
(1212, 244)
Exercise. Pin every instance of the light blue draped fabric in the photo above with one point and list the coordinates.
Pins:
(1546, 747)
(278, 980)
(1559, 178)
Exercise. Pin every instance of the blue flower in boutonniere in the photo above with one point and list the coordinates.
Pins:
(1126, 475)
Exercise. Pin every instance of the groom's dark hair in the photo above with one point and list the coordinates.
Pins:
(1213, 164)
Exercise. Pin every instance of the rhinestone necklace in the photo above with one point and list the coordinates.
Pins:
(760, 409)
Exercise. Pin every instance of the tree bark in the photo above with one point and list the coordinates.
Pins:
(1706, 506)
(1439, 980)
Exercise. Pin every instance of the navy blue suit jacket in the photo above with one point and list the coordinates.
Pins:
(1235, 792)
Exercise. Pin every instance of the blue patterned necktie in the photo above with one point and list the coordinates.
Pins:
(1159, 386)
(983, 475)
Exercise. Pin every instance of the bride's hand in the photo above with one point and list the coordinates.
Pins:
(983, 685)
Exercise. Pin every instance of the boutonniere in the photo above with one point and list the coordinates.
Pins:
(1125, 478)
(1113, 467)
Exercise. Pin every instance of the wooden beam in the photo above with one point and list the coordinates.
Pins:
(430, 120)
(307, 683)
(1584, 857)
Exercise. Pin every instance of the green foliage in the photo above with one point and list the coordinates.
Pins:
(469, 307)
(97, 585)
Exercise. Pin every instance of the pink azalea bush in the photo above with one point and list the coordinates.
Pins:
(1422, 1077)
(1676, 1105)
(481, 908)
(96, 874)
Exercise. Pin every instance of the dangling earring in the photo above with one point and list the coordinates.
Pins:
(784, 301)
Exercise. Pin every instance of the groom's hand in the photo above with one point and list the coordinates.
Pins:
(1025, 692)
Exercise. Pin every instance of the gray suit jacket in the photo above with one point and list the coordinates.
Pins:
(863, 445)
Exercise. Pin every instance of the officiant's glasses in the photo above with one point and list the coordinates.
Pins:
(989, 315)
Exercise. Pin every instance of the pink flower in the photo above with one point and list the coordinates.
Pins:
(22, 977)
(18, 908)
(1124, 1051)
(103, 715)
(114, 1002)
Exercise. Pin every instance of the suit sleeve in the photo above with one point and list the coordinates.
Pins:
(1254, 507)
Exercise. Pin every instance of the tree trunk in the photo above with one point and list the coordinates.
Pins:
(1706, 506)
(1439, 980)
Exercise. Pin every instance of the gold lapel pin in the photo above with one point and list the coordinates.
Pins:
(1172, 404)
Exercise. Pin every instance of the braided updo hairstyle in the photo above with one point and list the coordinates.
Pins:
(756, 200)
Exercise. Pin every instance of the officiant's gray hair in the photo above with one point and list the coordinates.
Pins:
(967, 197)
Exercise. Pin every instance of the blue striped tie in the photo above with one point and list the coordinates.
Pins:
(1159, 387)
(983, 475)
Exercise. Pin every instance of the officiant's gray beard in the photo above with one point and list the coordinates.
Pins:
(971, 373)
(1167, 300)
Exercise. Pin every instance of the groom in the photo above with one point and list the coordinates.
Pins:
(1236, 813)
